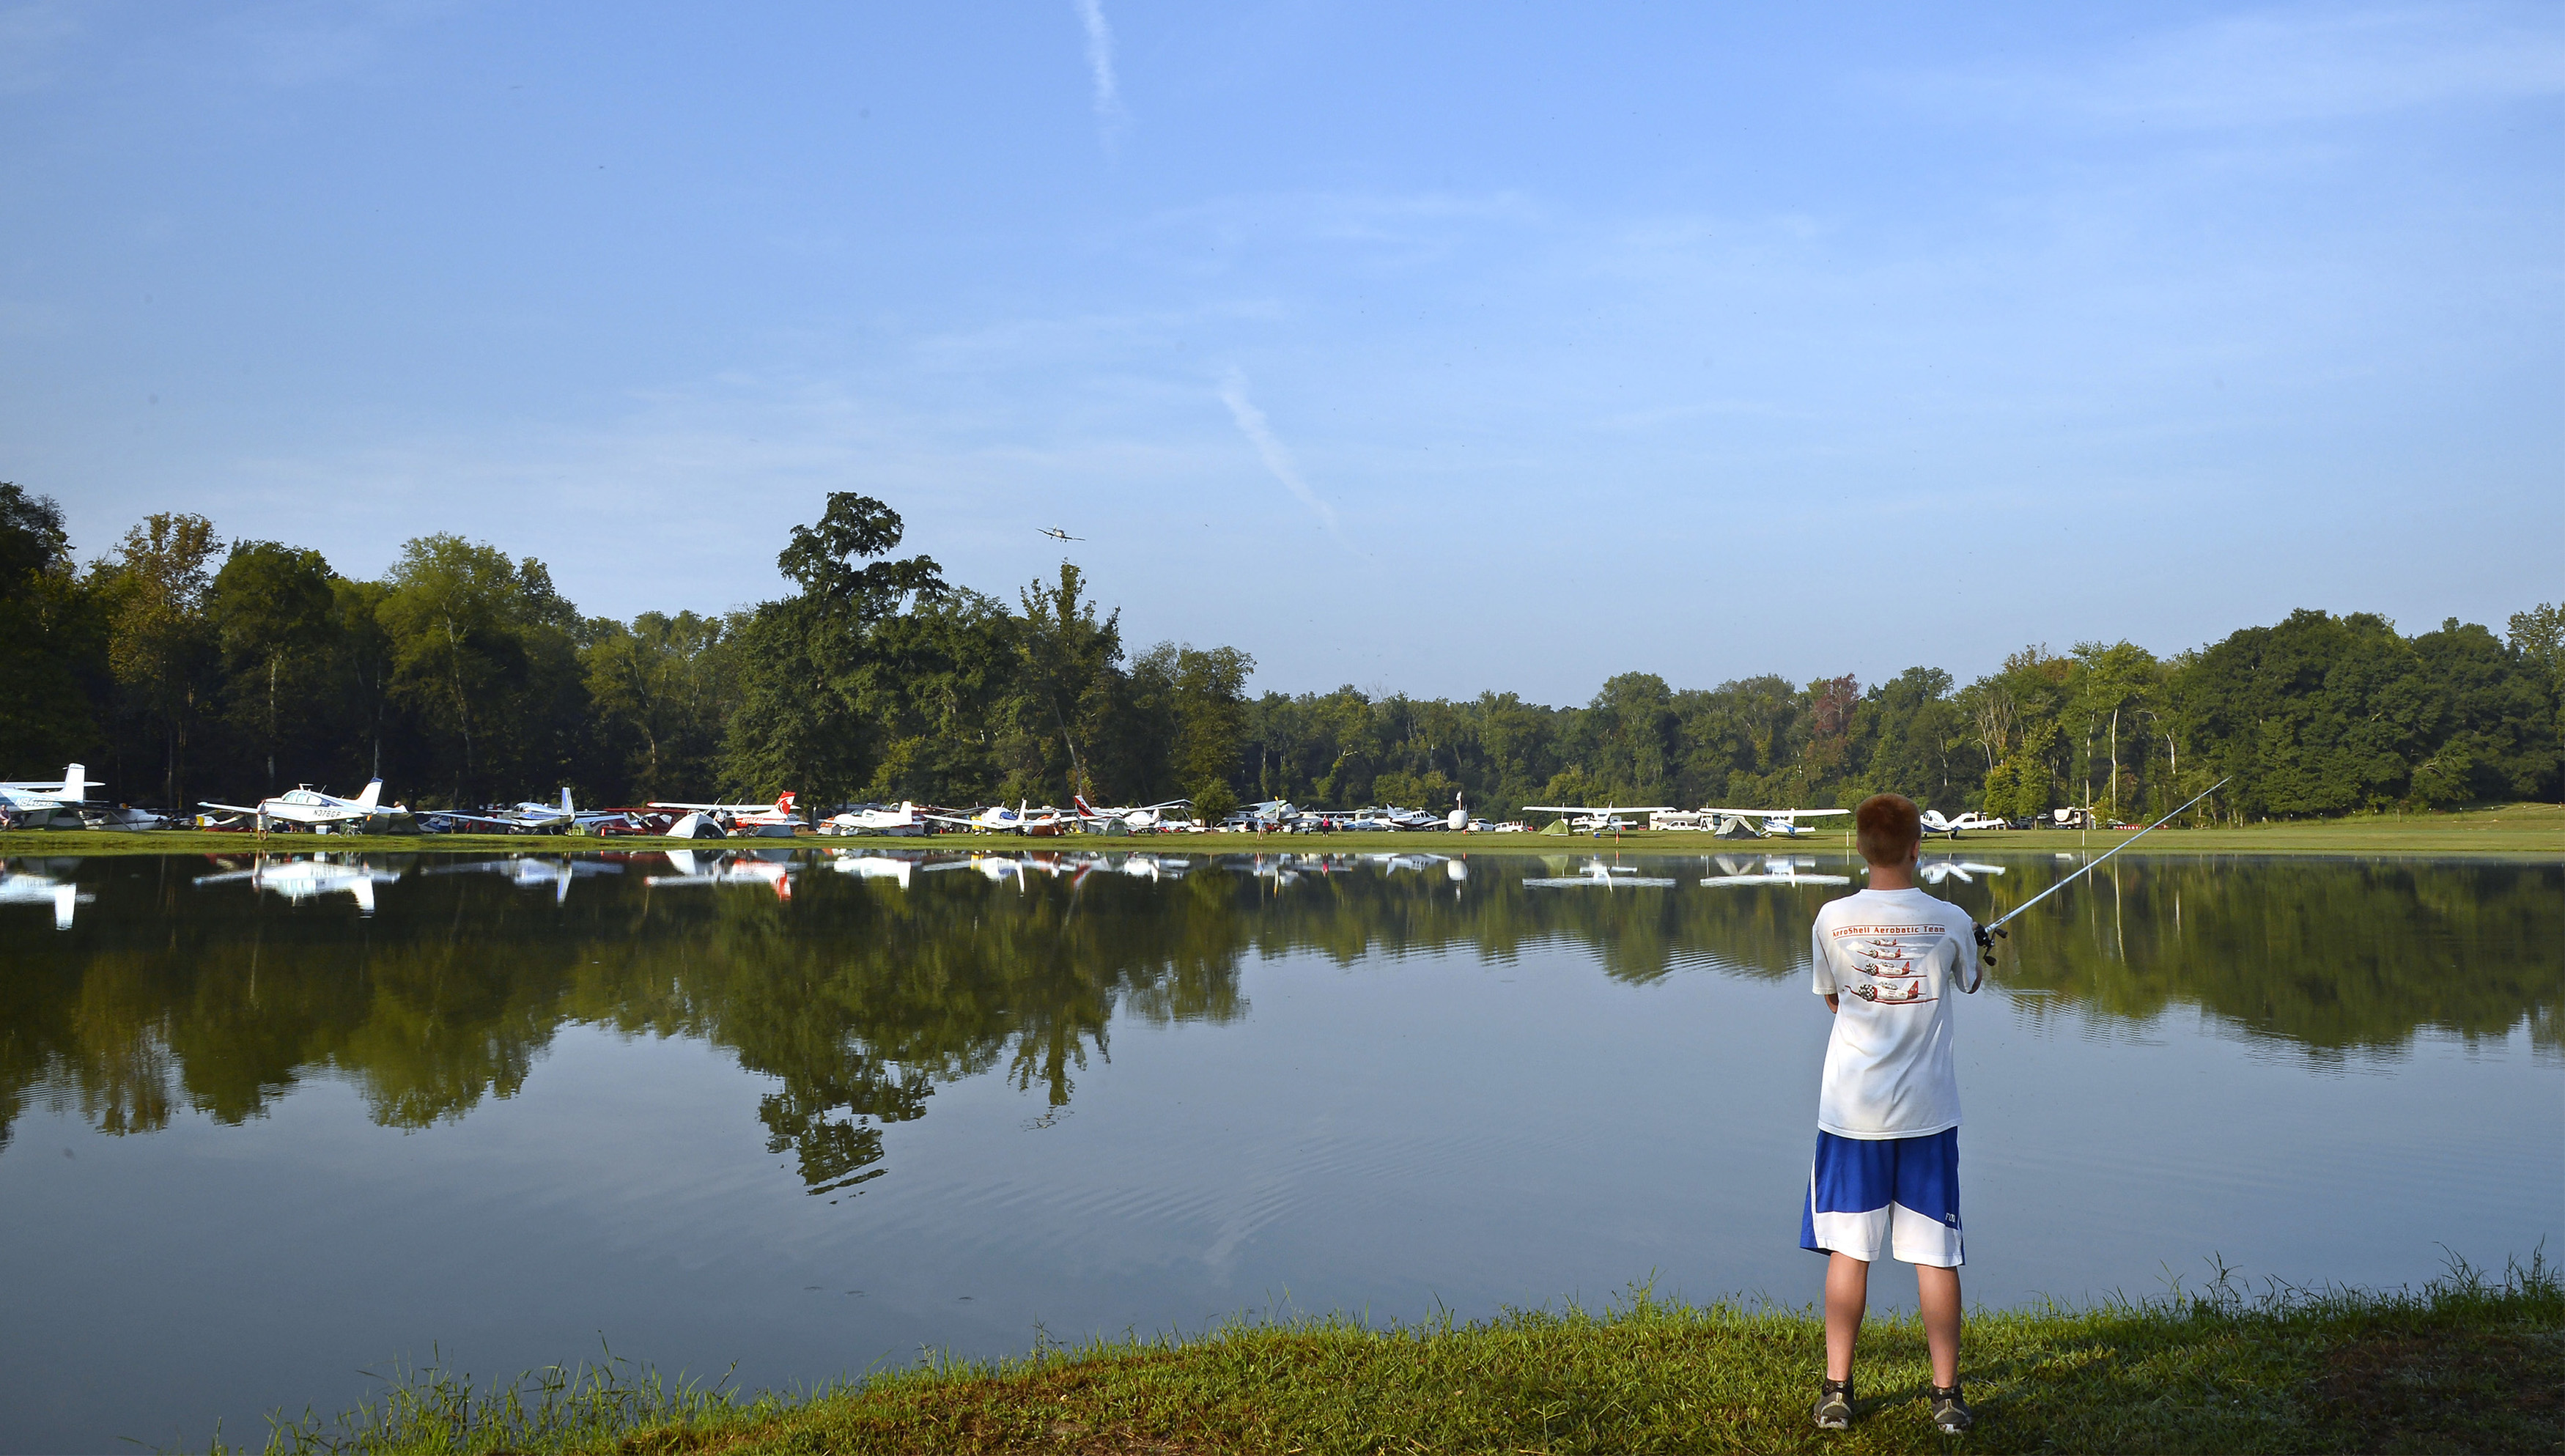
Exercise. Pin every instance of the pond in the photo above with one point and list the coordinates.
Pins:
(266, 1125)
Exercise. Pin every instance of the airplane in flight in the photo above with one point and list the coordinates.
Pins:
(316, 811)
(36, 802)
(1056, 532)
(1934, 823)
(1586, 819)
(299, 879)
(1777, 869)
(1144, 817)
(31, 888)
(772, 820)
(1610, 877)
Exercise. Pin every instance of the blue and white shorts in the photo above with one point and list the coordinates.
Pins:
(1870, 1198)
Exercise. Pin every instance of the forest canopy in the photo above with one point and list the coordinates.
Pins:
(177, 666)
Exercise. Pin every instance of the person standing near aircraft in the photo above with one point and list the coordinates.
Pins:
(1885, 1179)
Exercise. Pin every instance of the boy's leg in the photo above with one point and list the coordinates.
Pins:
(1936, 1292)
(1848, 1295)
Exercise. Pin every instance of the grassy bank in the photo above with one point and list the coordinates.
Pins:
(2466, 1364)
(2517, 830)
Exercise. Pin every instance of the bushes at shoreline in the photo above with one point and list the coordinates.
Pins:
(2466, 1363)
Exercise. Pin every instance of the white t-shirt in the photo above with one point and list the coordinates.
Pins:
(1892, 959)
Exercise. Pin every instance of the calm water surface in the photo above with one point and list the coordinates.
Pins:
(264, 1126)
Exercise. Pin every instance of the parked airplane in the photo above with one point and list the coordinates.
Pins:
(777, 819)
(998, 818)
(1738, 824)
(1610, 877)
(1458, 821)
(1585, 818)
(1777, 869)
(529, 818)
(902, 821)
(32, 887)
(314, 810)
(36, 802)
(1145, 816)
(1934, 823)
(301, 879)
(1058, 534)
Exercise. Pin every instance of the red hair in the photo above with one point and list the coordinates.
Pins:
(1887, 828)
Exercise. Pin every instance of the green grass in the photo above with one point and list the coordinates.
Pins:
(2467, 1364)
(2515, 830)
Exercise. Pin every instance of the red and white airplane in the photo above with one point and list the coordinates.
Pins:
(774, 820)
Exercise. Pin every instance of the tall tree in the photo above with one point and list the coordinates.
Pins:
(272, 611)
(160, 644)
(53, 638)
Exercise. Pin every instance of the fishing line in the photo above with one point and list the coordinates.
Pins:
(1987, 933)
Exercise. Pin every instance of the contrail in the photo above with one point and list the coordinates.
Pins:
(1099, 65)
(1251, 423)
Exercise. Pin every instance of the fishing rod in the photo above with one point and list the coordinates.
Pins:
(1988, 932)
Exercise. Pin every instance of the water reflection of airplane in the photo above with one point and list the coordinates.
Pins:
(1777, 869)
(34, 888)
(875, 866)
(721, 869)
(1393, 863)
(1937, 871)
(529, 871)
(1610, 877)
(301, 878)
(1586, 817)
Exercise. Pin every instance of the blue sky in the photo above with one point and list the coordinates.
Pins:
(1429, 348)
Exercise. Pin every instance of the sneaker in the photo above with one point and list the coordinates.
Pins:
(1951, 1414)
(1835, 1405)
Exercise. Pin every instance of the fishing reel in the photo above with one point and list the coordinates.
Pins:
(1986, 942)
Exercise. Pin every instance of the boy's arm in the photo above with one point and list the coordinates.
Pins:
(1817, 957)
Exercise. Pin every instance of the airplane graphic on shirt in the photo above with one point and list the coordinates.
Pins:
(1886, 957)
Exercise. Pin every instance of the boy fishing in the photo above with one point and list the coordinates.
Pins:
(1886, 1177)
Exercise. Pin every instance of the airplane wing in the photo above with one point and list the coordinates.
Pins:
(1777, 813)
(1606, 808)
(227, 808)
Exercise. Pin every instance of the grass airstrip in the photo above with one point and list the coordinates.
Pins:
(2513, 830)
(2467, 1364)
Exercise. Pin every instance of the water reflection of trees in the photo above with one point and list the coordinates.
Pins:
(859, 997)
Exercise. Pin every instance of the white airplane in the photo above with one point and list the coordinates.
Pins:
(1610, 877)
(1738, 824)
(997, 869)
(1145, 816)
(1937, 871)
(902, 821)
(1777, 869)
(527, 816)
(775, 821)
(29, 887)
(314, 810)
(37, 801)
(1587, 818)
(1934, 823)
(998, 818)
(1056, 532)
(299, 879)
(1458, 821)
(533, 871)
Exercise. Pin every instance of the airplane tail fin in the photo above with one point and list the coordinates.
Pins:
(783, 802)
(1083, 806)
(74, 782)
(566, 809)
(373, 795)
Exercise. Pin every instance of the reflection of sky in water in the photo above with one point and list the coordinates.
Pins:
(1373, 1086)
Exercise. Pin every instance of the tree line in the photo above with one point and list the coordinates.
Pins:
(178, 666)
